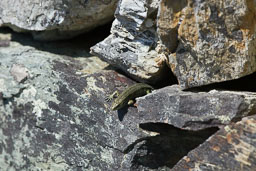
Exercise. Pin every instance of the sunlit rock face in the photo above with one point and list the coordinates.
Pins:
(216, 39)
(131, 46)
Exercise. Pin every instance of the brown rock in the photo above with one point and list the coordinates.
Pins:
(217, 40)
(231, 148)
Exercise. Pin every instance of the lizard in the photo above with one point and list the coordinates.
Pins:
(128, 96)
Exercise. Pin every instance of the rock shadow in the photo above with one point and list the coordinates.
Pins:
(168, 147)
(246, 83)
(78, 46)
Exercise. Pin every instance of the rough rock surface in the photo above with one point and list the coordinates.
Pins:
(231, 148)
(56, 118)
(195, 111)
(56, 19)
(53, 115)
(132, 43)
(216, 39)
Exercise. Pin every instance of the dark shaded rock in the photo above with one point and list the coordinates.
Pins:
(231, 148)
(165, 149)
(194, 111)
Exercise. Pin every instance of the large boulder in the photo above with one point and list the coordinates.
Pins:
(202, 42)
(216, 39)
(231, 148)
(195, 110)
(56, 19)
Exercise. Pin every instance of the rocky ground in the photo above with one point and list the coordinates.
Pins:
(54, 116)
(201, 114)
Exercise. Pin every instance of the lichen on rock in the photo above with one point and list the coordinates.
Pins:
(216, 40)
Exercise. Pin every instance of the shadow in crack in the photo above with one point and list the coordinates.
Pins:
(168, 147)
(78, 46)
(246, 83)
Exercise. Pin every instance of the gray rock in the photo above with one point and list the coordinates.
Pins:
(57, 118)
(132, 43)
(52, 20)
(195, 111)
(231, 148)
(19, 72)
(216, 40)
(4, 40)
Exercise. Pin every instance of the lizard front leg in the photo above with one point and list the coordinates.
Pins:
(112, 96)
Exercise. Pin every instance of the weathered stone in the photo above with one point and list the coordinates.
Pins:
(5, 40)
(216, 39)
(131, 45)
(56, 19)
(169, 15)
(57, 118)
(19, 72)
(194, 111)
(231, 148)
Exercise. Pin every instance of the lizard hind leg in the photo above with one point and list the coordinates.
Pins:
(148, 91)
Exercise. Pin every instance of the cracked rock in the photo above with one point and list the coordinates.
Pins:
(217, 39)
(195, 110)
(131, 46)
(58, 119)
(231, 148)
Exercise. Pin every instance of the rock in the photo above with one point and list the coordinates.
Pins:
(57, 118)
(165, 149)
(195, 111)
(168, 21)
(231, 148)
(53, 113)
(19, 72)
(52, 20)
(5, 40)
(132, 43)
(216, 40)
